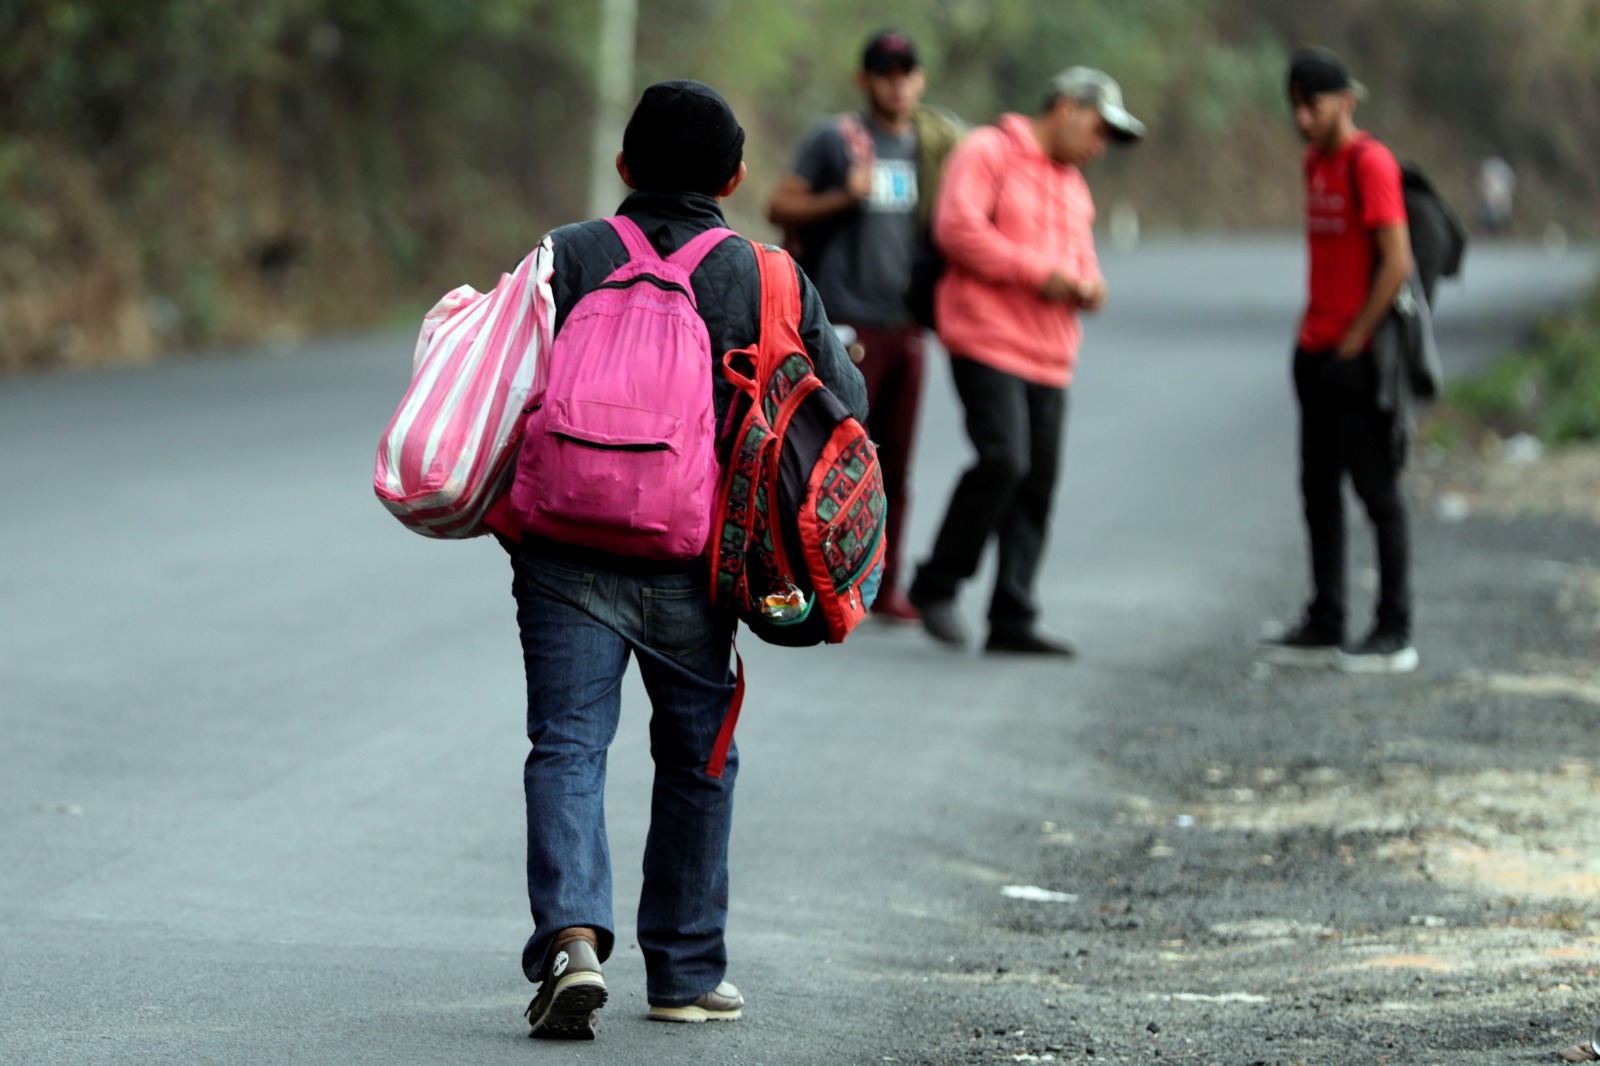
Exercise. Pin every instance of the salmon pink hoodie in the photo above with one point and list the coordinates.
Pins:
(1008, 215)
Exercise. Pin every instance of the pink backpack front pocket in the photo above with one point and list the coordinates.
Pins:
(617, 467)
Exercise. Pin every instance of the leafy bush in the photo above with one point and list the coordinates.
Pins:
(1550, 388)
(230, 168)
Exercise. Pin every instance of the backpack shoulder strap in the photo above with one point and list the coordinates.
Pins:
(857, 139)
(692, 254)
(633, 238)
(1353, 176)
(780, 307)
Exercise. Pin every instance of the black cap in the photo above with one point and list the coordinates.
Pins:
(889, 50)
(1319, 70)
(682, 138)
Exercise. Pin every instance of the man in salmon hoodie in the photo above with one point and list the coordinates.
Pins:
(1014, 220)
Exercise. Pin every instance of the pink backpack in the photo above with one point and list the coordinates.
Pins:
(619, 453)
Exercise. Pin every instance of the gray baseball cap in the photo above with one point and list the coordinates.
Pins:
(1099, 90)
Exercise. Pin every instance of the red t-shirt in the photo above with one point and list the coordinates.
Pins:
(1341, 243)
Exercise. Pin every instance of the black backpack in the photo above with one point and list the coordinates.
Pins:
(1438, 237)
(1408, 357)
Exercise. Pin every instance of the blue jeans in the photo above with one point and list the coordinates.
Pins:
(579, 624)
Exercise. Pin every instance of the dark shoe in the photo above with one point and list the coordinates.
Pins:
(1029, 643)
(941, 619)
(1385, 651)
(892, 606)
(1303, 645)
(572, 990)
(721, 1004)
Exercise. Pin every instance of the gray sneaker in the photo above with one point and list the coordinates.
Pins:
(721, 1004)
(571, 994)
(941, 618)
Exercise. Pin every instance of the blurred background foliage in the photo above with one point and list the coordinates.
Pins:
(177, 173)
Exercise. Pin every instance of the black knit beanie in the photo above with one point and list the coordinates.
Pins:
(682, 138)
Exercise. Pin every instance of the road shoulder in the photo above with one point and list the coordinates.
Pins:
(1311, 867)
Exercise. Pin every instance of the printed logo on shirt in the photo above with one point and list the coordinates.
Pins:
(894, 185)
(1325, 212)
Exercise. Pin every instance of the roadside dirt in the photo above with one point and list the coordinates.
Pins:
(1313, 868)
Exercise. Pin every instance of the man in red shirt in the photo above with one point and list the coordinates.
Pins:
(1360, 256)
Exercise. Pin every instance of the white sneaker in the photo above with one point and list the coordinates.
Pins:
(1381, 653)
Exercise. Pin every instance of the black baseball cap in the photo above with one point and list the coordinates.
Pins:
(889, 50)
(1320, 70)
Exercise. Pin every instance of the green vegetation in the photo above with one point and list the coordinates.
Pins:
(206, 172)
(1550, 388)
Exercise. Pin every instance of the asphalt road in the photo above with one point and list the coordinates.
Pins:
(260, 792)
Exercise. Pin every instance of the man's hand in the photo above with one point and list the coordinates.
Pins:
(1058, 288)
(1351, 345)
(1091, 295)
(858, 182)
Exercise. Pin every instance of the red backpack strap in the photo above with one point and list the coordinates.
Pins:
(719, 750)
(1353, 176)
(780, 296)
(780, 306)
(633, 238)
(692, 254)
(857, 140)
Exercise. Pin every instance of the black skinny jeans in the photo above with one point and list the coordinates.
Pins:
(1016, 427)
(1343, 432)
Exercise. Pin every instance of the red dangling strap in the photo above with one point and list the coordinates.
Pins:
(719, 751)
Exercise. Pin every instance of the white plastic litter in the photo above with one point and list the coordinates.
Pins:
(1035, 894)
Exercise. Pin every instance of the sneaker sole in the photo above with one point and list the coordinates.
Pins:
(1400, 662)
(1284, 655)
(693, 1013)
(571, 1015)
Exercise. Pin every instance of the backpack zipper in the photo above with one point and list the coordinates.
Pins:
(648, 446)
(648, 279)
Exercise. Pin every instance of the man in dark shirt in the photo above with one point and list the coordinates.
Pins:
(859, 196)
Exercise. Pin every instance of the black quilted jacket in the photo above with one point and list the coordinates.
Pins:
(727, 287)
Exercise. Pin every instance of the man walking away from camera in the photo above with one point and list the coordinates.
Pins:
(584, 612)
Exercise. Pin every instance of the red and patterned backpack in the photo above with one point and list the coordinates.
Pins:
(797, 544)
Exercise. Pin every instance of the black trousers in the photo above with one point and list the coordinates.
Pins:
(1017, 428)
(1342, 432)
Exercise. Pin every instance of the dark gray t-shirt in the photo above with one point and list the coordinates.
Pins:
(861, 260)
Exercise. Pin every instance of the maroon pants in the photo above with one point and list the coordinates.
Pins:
(893, 369)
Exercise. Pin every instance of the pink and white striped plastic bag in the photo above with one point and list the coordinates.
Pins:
(449, 451)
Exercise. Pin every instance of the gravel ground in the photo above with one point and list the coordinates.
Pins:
(1309, 867)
